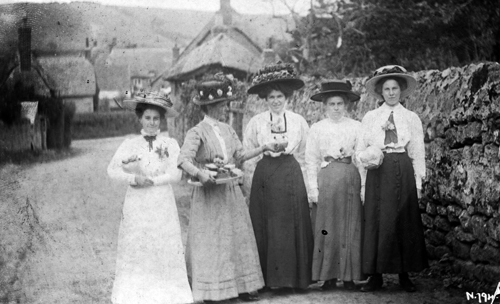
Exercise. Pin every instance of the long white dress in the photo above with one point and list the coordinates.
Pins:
(150, 264)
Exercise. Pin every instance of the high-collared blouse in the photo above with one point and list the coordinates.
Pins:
(266, 128)
(409, 132)
(159, 162)
(329, 139)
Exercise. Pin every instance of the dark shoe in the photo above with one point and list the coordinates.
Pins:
(249, 297)
(374, 283)
(405, 283)
(349, 285)
(329, 285)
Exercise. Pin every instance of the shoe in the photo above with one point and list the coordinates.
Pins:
(249, 297)
(374, 283)
(349, 285)
(405, 283)
(329, 285)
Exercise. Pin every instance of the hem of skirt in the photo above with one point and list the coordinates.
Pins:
(227, 289)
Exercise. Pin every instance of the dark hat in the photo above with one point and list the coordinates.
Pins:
(152, 98)
(336, 86)
(389, 71)
(282, 73)
(215, 89)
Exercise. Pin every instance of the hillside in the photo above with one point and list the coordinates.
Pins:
(64, 26)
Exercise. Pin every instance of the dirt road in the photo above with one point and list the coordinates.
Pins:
(78, 210)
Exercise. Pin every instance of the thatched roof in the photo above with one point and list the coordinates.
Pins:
(225, 50)
(141, 60)
(73, 76)
(218, 44)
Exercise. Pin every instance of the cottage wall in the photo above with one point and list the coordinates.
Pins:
(460, 112)
(24, 136)
(82, 104)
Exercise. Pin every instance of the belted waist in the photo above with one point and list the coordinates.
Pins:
(393, 150)
(345, 160)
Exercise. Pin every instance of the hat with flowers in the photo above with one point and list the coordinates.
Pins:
(391, 71)
(283, 73)
(215, 89)
(152, 98)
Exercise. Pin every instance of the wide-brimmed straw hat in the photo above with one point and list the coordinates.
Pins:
(217, 88)
(152, 98)
(389, 71)
(333, 87)
(279, 73)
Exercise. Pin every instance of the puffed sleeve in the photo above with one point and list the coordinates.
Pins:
(188, 152)
(313, 161)
(115, 167)
(173, 174)
(361, 145)
(416, 149)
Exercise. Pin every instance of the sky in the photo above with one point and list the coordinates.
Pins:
(242, 6)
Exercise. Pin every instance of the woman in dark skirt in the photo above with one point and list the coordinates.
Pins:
(393, 232)
(335, 185)
(278, 197)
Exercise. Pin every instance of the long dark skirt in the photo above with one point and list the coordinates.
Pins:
(338, 230)
(393, 233)
(281, 222)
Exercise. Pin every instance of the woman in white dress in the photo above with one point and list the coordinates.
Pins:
(150, 264)
(335, 185)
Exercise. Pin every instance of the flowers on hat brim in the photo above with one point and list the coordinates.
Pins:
(283, 73)
(152, 98)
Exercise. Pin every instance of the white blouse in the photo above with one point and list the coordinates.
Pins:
(409, 132)
(158, 164)
(259, 132)
(329, 138)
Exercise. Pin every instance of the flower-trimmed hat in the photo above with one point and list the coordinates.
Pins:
(278, 73)
(216, 89)
(389, 71)
(152, 98)
(336, 86)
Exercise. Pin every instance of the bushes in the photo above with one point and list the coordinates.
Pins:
(106, 124)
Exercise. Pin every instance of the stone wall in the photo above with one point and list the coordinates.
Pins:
(460, 112)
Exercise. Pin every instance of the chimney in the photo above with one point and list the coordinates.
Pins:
(175, 54)
(24, 33)
(269, 56)
(226, 11)
(87, 49)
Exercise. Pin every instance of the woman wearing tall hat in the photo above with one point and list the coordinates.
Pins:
(393, 232)
(222, 255)
(150, 264)
(278, 198)
(335, 185)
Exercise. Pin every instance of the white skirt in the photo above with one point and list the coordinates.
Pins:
(150, 264)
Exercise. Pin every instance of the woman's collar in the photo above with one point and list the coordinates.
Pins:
(391, 108)
(144, 133)
(211, 121)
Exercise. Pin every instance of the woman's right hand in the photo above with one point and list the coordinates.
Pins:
(205, 179)
(142, 181)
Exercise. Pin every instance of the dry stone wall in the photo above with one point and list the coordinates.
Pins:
(460, 113)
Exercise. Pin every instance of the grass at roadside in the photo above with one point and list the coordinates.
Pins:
(29, 157)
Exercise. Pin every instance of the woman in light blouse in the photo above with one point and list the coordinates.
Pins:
(335, 183)
(393, 232)
(222, 255)
(278, 197)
